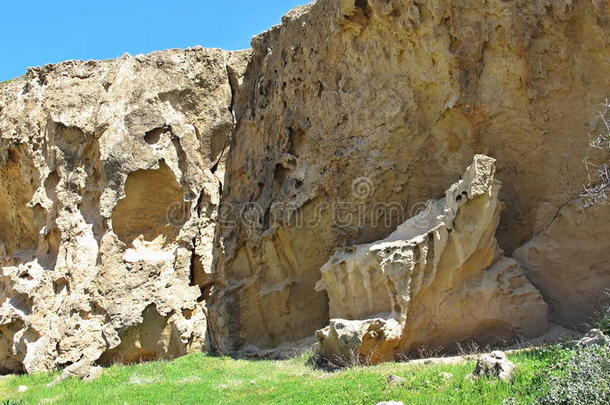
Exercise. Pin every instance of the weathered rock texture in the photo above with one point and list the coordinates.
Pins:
(110, 188)
(569, 261)
(115, 235)
(405, 93)
(440, 278)
(495, 365)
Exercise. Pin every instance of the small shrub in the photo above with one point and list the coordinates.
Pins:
(604, 322)
(598, 164)
(602, 319)
(339, 362)
(582, 380)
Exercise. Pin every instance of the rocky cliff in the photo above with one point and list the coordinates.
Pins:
(193, 199)
(355, 113)
(111, 173)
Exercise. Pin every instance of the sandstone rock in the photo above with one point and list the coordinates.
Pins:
(396, 380)
(22, 388)
(401, 94)
(556, 334)
(495, 365)
(594, 337)
(284, 351)
(83, 370)
(347, 343)
(568, 262)
(110, 174)
(116, 243)
(440, 278)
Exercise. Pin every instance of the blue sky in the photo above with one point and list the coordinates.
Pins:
(37, 32)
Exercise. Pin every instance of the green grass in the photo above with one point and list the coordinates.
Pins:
(202, 379)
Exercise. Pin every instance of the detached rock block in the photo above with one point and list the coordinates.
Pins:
(439, 279)
(396, 380)
(495, 365)
(366, 342)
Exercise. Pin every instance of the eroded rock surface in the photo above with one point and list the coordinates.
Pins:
(495, 365)
(115, 234)
(440, 278)
(568, 261)
(403, 94)
(111, 175)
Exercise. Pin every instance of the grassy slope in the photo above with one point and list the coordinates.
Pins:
(201, 379)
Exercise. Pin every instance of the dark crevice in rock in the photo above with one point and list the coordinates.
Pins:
(154, 136)
(234, 84)
(362, 14)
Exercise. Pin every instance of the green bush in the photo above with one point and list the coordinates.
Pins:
(584, 379)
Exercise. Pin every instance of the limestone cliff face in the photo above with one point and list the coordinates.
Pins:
(404, 93)
(110, 176)
(160, 204)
